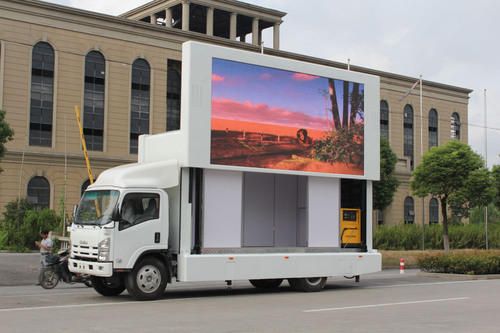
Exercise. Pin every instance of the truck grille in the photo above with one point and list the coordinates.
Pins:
(84, 252)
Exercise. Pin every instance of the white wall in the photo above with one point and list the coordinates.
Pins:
(324, 208)
(222, 209)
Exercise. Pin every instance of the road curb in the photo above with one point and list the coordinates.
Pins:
(459, 277)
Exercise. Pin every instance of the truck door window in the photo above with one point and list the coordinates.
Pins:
(138, 208)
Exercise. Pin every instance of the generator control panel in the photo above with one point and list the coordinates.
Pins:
(350, 227)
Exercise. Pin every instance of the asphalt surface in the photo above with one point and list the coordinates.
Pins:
(382, 302)
(17, 269)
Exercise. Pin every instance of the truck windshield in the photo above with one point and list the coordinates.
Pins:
(96, 207)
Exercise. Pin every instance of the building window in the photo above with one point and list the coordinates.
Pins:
(408, 133)
(173, 95)
(384, 120)
(433, 211)
(39, 192)
(42, 95)
(93, 107)
(409, 210)
(140, 101)
(433, 128)
(455, 126)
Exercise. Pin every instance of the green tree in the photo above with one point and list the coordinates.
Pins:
(496, 177)
(478, 191)
(444, 173)
(6, 134)
(383, 190)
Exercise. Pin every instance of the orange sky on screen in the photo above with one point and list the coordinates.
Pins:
(240, 126)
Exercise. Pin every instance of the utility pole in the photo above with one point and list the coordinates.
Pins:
(421, 157)
(486, 160)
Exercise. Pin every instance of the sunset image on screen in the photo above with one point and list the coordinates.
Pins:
(270, 118)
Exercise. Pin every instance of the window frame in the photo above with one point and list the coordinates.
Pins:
(174, 91)
(45, 79)
(142, 110)
(436, 213)
(124, 225)
(384, 121)
(433, 128)
(456, 126)
(407, 211)
(38, 189)
(408, 128)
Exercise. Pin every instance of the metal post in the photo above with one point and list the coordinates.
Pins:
(486, 161)
(421, 158)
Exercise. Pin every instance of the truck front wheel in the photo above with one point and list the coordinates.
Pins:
(308, 284)
(148, 279)
(113, 286)
(266, 283)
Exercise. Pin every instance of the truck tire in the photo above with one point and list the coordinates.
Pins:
(308, 284)
(108, 286)
(266, 283)
(148, 280)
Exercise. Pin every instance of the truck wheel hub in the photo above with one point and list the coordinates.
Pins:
(148, 279)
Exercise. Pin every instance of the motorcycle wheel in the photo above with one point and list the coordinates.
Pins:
(48, 278)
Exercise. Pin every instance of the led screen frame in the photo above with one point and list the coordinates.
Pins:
(201, 108)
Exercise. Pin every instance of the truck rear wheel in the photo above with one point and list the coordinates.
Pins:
(266, 283)
(113, 286)
(148, 279)
(308, 284)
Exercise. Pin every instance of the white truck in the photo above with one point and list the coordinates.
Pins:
(269, 178)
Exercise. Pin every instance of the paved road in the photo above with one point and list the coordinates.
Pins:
(383, 302)
(17, 269)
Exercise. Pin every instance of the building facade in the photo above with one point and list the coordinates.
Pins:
(124, 73)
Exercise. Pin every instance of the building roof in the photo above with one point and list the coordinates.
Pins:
(236, 3)
(154, 29)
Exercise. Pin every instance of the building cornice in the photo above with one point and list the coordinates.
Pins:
(163, 34)
(223, 3)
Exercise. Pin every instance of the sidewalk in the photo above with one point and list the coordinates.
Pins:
(17, 269)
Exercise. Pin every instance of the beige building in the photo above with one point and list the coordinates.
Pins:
(124, 73)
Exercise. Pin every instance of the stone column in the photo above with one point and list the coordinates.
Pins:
(185, 15)
(168, 18)
(276, 36)
(210, 21)
(233, 21)
(255, 31)
(153, 18)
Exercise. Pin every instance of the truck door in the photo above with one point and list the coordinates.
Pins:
(140, 228)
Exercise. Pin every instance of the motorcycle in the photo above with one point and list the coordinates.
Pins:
(57, 269)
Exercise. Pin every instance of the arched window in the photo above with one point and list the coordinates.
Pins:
(42, 95)
(93, 106)
(84, 186)
(433, 211)
(455, 126)
(173, 95)
(139, 121)
(39, 192)
(409, 210)
(408, 133)
(433, 128)
(384, 120)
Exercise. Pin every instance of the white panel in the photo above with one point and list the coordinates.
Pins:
(268, 266)
(285, 213)
(324, 208)
(258, 210)
(222, 209)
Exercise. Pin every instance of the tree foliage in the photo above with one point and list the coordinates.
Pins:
(6, 134)
(21, 224)
(383, 190)
(496, 179)
(445, 173)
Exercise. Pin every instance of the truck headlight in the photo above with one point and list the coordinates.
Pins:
(104, 247)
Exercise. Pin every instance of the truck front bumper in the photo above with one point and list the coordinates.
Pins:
(102, 269)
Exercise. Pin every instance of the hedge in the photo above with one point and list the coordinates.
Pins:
(475, 262)
(409, 237)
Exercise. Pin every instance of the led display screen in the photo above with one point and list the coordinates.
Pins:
(264, 117)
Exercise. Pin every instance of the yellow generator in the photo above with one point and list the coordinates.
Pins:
(350, 227)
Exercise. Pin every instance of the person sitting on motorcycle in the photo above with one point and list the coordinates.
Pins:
(45, 246)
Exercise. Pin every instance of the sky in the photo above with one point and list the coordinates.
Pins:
(448, 41)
